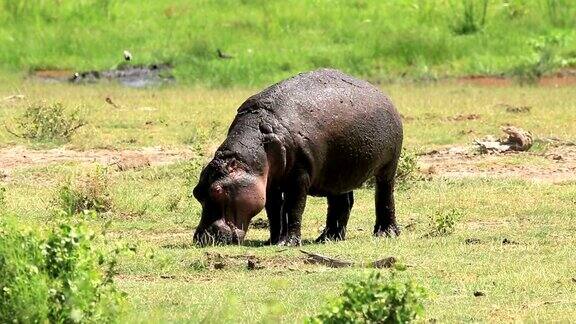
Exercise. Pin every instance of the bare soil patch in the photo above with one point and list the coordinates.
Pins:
(562, 78)
(20, 157)
(558, 165)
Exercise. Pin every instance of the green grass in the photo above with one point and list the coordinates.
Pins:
(198, 118)
(380, 40)
(170, 279)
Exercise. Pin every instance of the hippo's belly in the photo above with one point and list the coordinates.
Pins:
(345, 159)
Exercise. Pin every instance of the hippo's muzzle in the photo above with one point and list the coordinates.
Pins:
(219, 232)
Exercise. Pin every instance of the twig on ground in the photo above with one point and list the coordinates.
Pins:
(314, 258)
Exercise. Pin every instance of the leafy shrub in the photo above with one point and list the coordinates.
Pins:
(406, 173)
(88, 192)
(47, 123)
(60, 279)
(445, 222)
(21, 283)
(472, 17)
(407, 168)
(375, 300)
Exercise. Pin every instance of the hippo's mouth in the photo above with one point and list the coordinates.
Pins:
(221, 234)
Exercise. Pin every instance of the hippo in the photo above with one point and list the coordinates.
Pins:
(320, 133)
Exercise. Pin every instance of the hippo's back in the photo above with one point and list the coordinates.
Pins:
(343, 128)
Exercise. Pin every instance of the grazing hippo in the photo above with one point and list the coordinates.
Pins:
(320, 133)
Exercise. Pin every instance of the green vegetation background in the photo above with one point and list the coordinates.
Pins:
(270, 40)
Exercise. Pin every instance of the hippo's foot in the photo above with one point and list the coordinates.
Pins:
(272, 241)
(290, 240)
(331, 235)
(388, 231)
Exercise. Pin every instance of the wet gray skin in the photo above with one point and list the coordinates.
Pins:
(320, 133)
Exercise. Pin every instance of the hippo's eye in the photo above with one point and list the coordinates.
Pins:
(217, 192)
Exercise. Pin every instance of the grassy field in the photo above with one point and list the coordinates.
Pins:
(181, 117)
(380, 40)
(528, 278)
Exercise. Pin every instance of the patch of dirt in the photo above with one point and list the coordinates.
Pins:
(21, 157)
(515, 109)
(559, 165)
(559, 162)
(565, 77)
(135, 162)
(53, 75)
(486, 80)
(463, 117)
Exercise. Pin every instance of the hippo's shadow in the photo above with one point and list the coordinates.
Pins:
(260, 243)
(248, 243)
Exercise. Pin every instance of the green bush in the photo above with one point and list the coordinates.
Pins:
(87, 192)
(59, 279)
(406, 172)
(47, 123)
(22, 283)
(375, 300)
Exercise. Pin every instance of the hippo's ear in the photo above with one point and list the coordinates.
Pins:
(275, 151)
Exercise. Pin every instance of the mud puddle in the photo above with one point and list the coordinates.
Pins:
(134, 76)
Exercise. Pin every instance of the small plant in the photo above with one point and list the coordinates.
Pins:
(88, 192)
(472, 18)
(445, 222)
(47, 123)
(375, 300)
(60, 279)
(407, 168)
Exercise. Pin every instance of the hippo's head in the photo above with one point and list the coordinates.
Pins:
(230, 195)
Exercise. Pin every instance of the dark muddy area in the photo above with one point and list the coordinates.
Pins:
(135, 76)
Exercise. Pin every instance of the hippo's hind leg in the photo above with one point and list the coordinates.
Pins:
(385, 209)
(276, 218)
(339, 207)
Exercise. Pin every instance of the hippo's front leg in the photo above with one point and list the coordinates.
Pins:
(274, 211)
(294, 204)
